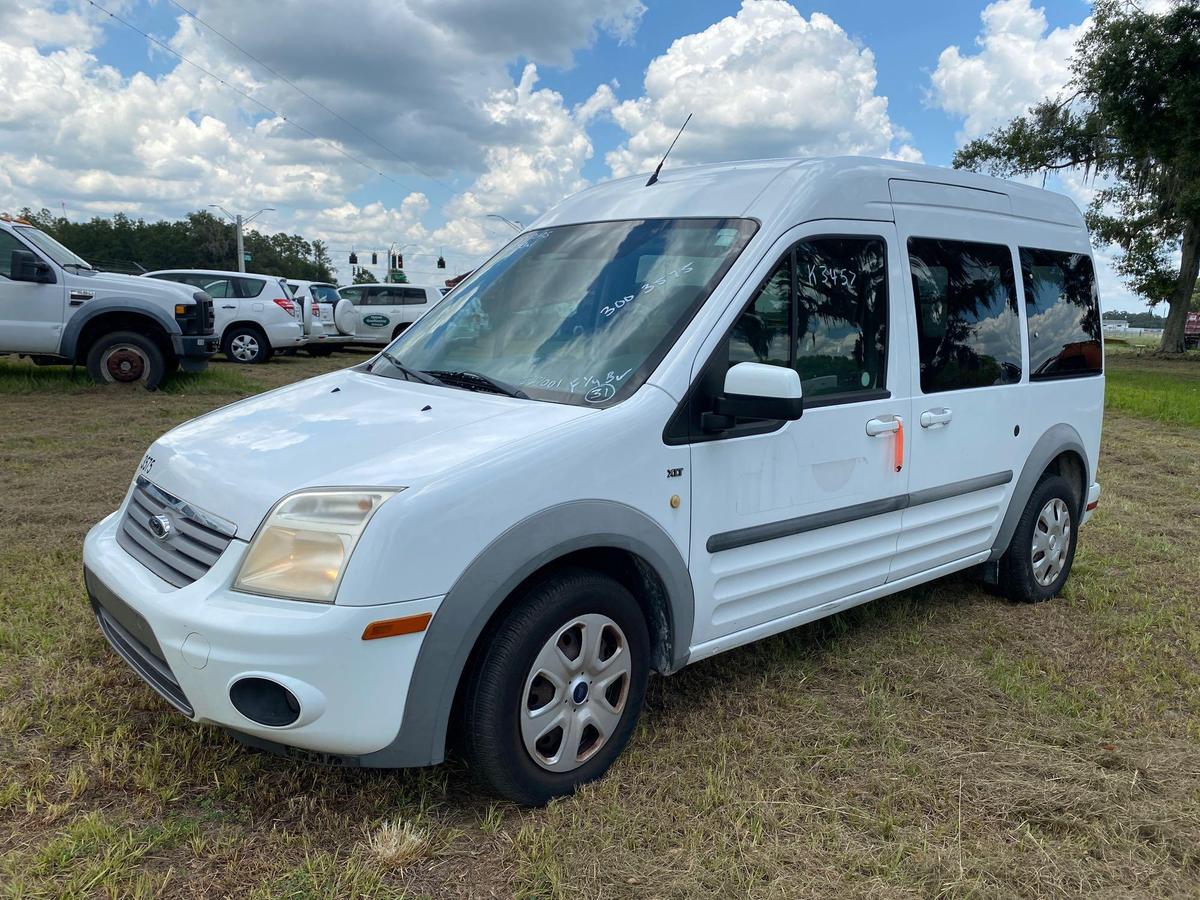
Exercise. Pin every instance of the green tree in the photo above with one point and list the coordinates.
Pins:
(364, 276)
(1130, 117)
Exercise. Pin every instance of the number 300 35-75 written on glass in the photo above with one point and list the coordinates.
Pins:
(646, 288)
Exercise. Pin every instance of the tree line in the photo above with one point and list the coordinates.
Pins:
(199, 241)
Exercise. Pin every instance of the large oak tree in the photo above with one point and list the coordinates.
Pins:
(1131, 119)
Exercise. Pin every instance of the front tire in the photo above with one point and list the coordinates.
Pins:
(1039, 556)
(126, 357)
(246, 344)
(557, 693)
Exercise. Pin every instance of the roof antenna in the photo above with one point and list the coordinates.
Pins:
(654, 177)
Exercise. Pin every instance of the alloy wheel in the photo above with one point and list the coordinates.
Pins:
(244, 347)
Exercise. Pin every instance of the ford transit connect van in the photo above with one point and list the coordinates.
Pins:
(664, 421)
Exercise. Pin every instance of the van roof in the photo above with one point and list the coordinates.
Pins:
(800, 190)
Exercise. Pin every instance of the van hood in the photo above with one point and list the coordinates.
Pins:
(349, 428)
(152, 289)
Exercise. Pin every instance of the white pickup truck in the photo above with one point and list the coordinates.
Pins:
(56, 308)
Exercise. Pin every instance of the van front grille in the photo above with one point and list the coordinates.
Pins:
(172, 539)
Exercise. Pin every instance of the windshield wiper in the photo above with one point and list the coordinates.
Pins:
(84, 266)
(410, 374)
(475, 381)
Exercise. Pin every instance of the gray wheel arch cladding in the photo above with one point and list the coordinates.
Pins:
(76, 323)
(487, 582)
(1057, 440)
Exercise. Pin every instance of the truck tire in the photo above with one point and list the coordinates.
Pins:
(557, 693)
(1039, 556)
(246, 344)
(126, 357)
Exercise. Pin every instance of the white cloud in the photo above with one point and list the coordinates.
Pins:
(75, 131)
(1020, 61)
(765, 82)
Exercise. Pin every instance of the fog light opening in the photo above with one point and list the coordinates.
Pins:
(264, 701)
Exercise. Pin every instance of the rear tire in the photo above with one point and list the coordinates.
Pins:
(126, 357)
(246, 344)
(1039, 556)
(400, 329)
(319, 350)
(539, 721)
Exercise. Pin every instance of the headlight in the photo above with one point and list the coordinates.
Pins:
(301, 550)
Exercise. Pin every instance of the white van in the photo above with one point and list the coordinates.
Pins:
(386, 310)
(256, 315)
(663, 422)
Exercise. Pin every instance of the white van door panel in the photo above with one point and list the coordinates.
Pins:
(967, 395)
(810, 513)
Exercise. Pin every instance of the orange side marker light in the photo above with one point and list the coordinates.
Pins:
(393, 627)
(899, 443)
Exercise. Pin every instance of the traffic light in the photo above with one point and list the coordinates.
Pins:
(353, 258)
(374, 258)
(441, 263)
(399, 260)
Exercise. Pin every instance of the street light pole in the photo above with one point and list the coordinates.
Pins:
(515, 226)
(238, 222)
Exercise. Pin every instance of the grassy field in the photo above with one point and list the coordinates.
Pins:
(937, 743)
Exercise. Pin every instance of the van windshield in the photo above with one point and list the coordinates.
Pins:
(576, 314)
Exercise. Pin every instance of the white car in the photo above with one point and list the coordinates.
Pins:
(324, 328)
(386, 310)
(256, 315)
(55, 308)
(665, 421)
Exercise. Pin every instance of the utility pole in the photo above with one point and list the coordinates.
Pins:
(238, 222)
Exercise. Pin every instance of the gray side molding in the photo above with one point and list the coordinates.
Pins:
(491, 577)
(1056, 440)
(113, 304)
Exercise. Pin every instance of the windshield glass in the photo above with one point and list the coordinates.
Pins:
(51, 247)
(576, 314)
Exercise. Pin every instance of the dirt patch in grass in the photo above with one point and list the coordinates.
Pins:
(939, 742)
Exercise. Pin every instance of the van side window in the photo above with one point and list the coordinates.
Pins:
(841, 308)
(8, 244)
(412, 296)
(968, 327)
(1062, 312)
(823, 311)
(353, 294)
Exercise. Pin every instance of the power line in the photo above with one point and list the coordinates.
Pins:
(242, 93)
(309, 96)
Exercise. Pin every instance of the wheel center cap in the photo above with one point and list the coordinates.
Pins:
(579, 693)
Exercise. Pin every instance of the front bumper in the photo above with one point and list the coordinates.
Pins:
(195, 346)
(191, 644)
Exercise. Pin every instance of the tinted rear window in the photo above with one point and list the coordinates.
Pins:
(968, 327)
(1062, 307)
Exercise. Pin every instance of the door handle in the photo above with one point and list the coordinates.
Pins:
(228, 306)
(931, 418)
(876, 427)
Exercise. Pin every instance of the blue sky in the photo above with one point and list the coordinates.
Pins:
(482, 108)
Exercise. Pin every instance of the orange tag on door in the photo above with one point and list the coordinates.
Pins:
(899, 443)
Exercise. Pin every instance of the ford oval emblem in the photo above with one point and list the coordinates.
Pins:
(160, 527)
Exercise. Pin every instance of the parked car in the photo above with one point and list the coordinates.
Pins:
(256, 315)
(55, 308)
(386, 310)
(325, 330)
(1191, 331)
(665, 421)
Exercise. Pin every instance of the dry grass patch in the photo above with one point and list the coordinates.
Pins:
(939, 742)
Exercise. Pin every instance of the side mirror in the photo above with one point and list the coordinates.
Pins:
(26, 266)
(756, 391)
